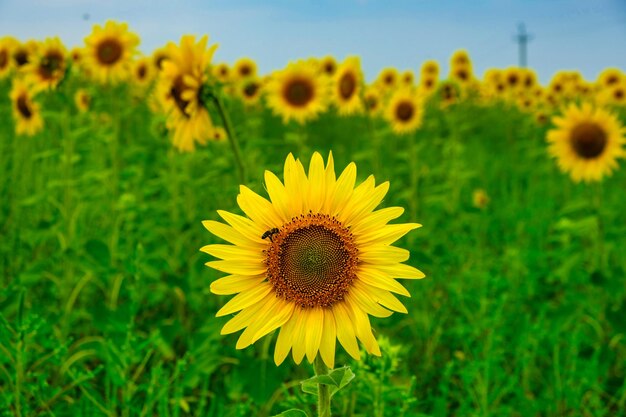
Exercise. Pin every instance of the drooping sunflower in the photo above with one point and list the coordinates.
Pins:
(297, 92)
(26, 112)
(586, 142)
(179, 90)
(244, 68)
(143, 71)
(315, 261)
(47, 67)
(5, 56)
(404, 111)
(82, 100)
(109, 51)
(347, 85)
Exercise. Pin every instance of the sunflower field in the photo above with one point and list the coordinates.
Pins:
(185, 237)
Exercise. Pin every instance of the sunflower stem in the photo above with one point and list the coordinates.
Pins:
(323, 392)
(232, 139)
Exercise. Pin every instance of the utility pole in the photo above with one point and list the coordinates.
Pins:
(522, 38)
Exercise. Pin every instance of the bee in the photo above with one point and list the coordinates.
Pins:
(270, 233)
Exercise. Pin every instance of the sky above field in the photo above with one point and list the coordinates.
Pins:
(567, 34)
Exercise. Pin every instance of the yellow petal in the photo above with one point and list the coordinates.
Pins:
(386, 235)
(245, 299)
(381, 254)
(383, 297)
(285, 337)
(402, 271)
(232, 252)
(278, 196)
(299, 336)
(233, 284)
(258, 209)
(245, 227)
(239, 268)
(279, 318)
(344, 189)
(317, 183)
(366, 303)
(377, 219)
(329, 337)
(314, 326)
(378, 279)
(293, 187)
(367, 204)
(227, 233)
(345, 331)
(363, 329)
(245, 317)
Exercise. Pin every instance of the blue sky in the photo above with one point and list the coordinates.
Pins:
(568, 34)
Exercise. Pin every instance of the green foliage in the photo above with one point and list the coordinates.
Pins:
(105, 308)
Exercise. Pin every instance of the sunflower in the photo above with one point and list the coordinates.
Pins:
(373, 101)
(348, 81)
(47, 67)
(250, 90)
(610, 77)
(587, 142)
(404, 111)
(26, 112)
(244, 68)
(143, 71)
(76, 55)
(448, 92)
(512, 78)
(219, 134)
(460, 58)
(480, 198)
(314, 261)
(23, 52)
(428, 83)
(297, 93)
(462, 74)
(159, 56)
(430, 68)
(109, 51)
(179, 90)
(221, 72)
(5, 56)
(82, 99)
(388, 78)
(328, 65)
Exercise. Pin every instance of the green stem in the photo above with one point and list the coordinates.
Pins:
(323, 393)
(232, 139)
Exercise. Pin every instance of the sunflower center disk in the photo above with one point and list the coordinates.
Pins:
(23, 107)
(588, 140)
(298, 92)
(404, 111)
(312, 261)
(347, 86)
(109, 52)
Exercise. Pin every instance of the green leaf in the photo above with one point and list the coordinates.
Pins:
(294, 412)
(336, 379)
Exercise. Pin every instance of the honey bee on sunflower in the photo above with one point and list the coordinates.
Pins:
(297, 93)
(314, 262)
(109, 51)
(26, 111)
(47, 66)
(179, 90)
(587, 142)
(404, 111)
(347, 87)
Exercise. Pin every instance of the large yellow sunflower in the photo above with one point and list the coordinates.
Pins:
(587, 142)
(404, 111)
(47, 67)
(179, 90)
(26, 112)
(297, 92)
(109, 51)
(315, 260)
(347, 86)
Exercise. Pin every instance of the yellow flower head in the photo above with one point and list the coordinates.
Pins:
(404, 111)
(586, 142)
(82, 99)
(297, 92)
(315, 261)
(347, 86)
(5, 56)
(26, 112)
(109, 51)
(47, 66)
(244, 68)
